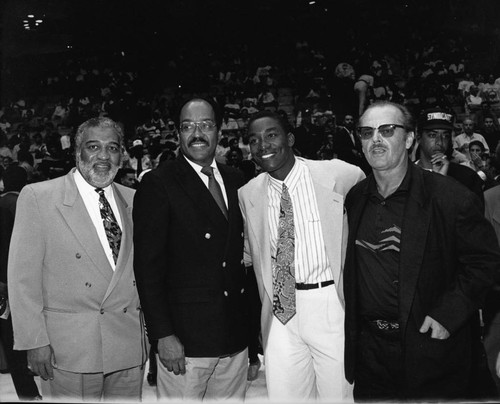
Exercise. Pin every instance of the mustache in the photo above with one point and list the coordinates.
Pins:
(377, 146)
(198, 139)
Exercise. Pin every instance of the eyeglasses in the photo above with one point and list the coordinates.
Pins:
(206, 126)
(387, 130)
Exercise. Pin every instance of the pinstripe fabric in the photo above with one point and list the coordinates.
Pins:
(311, 261)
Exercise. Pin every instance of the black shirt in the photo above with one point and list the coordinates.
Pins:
(377, 251)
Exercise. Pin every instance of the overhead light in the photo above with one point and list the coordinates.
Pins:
(31, 16)
(312, 2)
(39, 21)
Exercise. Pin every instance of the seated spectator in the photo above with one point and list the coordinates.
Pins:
(490, 129)
(461, 142)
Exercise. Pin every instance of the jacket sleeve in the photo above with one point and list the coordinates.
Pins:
(478, 264)
(150, 215)
(25, 277)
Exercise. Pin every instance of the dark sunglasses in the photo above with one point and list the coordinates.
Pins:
(386, 130)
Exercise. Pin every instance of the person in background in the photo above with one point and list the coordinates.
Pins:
(14, 179)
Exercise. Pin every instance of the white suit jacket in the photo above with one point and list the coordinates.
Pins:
(332, 180)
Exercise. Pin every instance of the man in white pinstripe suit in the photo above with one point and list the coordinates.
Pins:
(303, 350)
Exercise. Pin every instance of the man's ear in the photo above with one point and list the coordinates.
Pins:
(410, 137)
(291, 139)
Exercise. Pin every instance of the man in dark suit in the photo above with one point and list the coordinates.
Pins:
(189, 267)
(348, 146)
(420, 259)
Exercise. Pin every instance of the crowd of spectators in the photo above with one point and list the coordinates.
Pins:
(314, 90)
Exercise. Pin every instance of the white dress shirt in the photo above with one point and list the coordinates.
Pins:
(91, 200)
(311, 260)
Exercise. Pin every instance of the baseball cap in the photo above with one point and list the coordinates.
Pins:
(435, 118)
(137, 142)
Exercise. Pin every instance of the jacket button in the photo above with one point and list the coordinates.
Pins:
(102, 311)
(207, 235)
(225, 293)
(242, 234)
(224, 264)
(242, 290)
(125, 310)
(78, 255)
(88, 284)
(242, 261)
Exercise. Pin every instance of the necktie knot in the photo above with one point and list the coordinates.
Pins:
(208, 171)
(100, 191)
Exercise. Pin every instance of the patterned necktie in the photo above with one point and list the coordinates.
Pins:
(214, 188)
(284, 268)
(113, 231)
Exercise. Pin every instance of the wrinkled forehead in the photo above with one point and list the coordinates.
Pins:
(381, 115)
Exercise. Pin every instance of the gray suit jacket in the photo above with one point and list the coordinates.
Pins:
(63, 291)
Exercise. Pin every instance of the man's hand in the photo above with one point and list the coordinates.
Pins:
(438, 331)
(171, 354)
(41, 361)
(440, 163)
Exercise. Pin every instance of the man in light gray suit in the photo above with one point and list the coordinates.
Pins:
(75, 306)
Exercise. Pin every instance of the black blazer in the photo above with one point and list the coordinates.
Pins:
(189, 260)
(448, 260)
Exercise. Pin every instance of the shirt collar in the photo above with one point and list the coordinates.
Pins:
(403, 187)
(197, 167)
(84, 186)
(291, 180)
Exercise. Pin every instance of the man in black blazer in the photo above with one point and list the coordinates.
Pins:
(188, 239)
(420, 259)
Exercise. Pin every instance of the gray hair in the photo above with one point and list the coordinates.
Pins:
(98, 122)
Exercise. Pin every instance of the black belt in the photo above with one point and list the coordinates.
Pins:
(307, 286)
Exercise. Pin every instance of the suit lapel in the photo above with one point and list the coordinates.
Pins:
(79, 222)
(194, 187)
(126, 242)
(258, 225)
(331, 212)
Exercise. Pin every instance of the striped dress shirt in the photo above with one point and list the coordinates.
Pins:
(311, 261)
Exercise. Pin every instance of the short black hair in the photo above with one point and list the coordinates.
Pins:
(285, 125)
(214, 104)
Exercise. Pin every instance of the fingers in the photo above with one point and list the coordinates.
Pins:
(438, 331)
(425, 325)
(178, 367)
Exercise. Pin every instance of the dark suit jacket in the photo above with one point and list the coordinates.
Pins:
(448, 260)
(467, 177)
(7, 214)
(343, 146)
(189, 260)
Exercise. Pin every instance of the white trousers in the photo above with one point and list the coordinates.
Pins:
(304, 359)
(205, 379)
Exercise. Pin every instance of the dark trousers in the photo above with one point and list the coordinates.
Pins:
(379, 371)
(23, 380)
